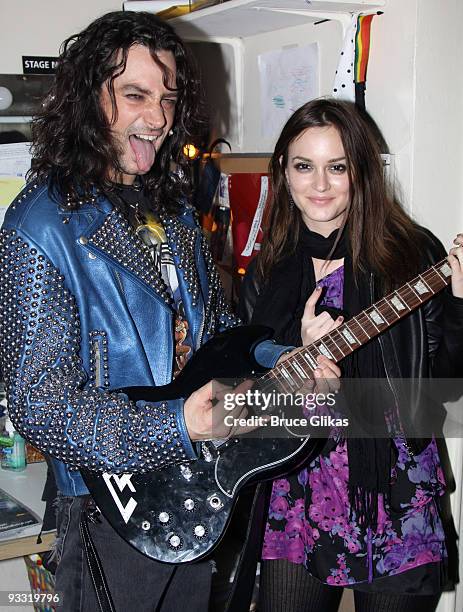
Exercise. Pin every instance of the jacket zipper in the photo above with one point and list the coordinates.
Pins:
(119, 281)
(97, 358)
(201, 329)
(391, 386)
(204, 300)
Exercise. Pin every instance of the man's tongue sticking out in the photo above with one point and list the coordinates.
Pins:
(144, 153)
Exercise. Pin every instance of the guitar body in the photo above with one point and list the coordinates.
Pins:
(180, 513)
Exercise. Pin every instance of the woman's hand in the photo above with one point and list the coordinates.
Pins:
(456, 263)
(314, 327)
(326, 375)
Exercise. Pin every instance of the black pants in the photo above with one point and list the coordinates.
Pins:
(286, 586)
(135, 581)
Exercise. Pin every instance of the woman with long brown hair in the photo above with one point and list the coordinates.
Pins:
(365, 514)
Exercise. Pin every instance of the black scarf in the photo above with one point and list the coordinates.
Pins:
(132, 201)
(280, 305)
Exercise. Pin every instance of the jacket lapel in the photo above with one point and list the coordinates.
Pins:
(115, 241)
(182, 240)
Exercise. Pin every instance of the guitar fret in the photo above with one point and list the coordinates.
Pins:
(291, 363)
(309, 359)
(302, 364)
(299, 370)
(371, 320)
(341, 338)
(281, 380)
(415, 292)
(330, 345)
(376, 318)
(264, 383)
(409, 296)
(314, 352)
(324, 350)
(337, 346)
(446, 270)
(427, 287)
(350, 336)
(398, 304)
(355, 320)
(287, 375)
(440, 275)
(384, 303)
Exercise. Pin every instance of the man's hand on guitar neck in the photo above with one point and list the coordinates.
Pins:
(205, 413)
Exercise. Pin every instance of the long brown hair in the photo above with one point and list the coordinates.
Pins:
(379, 231)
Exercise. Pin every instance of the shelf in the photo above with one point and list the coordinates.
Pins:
(245, 18)
(232, 163)
(15, 119)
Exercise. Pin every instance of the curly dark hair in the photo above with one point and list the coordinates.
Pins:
(72, 142)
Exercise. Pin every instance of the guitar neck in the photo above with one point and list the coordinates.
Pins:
(294, 372)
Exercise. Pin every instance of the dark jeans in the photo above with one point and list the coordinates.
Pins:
(135, 581)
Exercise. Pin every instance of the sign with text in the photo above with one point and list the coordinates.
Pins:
(35, 64)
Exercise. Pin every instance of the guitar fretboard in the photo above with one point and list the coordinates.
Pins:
(293, 373)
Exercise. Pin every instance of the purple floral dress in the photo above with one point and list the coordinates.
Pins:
(309, 515)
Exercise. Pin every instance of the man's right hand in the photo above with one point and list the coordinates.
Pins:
(205, 414)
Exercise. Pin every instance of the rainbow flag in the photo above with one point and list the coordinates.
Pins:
(362, 53)
(351, 73)
(362, 47)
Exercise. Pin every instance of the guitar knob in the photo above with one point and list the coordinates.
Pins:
(175, 542)
(145, 525)
(164, 517)
(189, 505)
(215, 502)
(200, 532)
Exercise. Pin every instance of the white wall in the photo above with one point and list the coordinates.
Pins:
(415, 92)
(437, 186)
(390, 94)
(328, 35)
(38, 27)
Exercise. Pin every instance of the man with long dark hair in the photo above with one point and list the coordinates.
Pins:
(108, 284)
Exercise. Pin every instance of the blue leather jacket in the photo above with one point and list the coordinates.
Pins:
(84, 312)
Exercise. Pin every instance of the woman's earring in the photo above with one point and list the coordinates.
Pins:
(291, 202)
(171, 132)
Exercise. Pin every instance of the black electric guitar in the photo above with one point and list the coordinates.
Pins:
(180, 513)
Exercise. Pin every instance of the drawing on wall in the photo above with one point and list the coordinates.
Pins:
(288, 79)
(15, 161)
